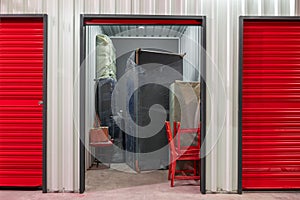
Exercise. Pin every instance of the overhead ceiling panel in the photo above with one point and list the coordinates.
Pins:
(144, 31)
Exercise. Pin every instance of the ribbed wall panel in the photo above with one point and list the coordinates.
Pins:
(271, 105)
(222, 51)
(21, 89)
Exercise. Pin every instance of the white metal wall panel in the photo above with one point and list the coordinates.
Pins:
(53, 144)
(147, 6)
(92, 32)
(107, 7)
(135, 7)
(191, 61)
(78, 8)
(63, 62)
(62, 140)
(123, 6)
(177, 7)
(66, 68)
(92, 8)
(163, 7)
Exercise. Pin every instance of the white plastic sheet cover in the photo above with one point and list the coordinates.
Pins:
(106, 57)
(184, 107)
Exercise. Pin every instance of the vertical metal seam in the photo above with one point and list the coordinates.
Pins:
(45, 100)
(276, 7)
(203, 108)
(82, 106)
(228, 143)
(297, 7)
(60, 181)
(241, 22)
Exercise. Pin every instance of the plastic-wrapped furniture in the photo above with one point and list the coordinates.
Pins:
(104, 89)
(151, 152)
(105, 57)
(184, 103)
(190, 151)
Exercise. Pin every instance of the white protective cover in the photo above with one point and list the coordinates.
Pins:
(105, 57)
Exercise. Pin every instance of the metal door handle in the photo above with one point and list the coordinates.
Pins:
(41, 102)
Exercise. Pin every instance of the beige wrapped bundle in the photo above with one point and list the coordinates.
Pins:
(184, 107)
(105, 57)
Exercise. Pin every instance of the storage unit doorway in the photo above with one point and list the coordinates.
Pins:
(269, 103)
(23, 101)
(173, 41)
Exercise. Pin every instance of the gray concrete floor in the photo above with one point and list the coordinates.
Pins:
(112, 184)
(153, 192)
(157, 191)
(121, 176)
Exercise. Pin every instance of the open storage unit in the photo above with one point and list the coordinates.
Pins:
(269, 103)
(144, 46)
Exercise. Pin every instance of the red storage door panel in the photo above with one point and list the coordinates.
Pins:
(21, 89)
(271, 105)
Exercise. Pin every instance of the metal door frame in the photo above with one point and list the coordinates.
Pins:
(136, 20)
(44, 17)
(240, 86)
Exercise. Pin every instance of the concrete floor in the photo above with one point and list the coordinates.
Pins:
(157, 191)
(112, 184)
(110, 179)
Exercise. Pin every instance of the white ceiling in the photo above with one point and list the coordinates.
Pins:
(144, 31)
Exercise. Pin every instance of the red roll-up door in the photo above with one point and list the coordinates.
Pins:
(271, 104)
(21, 90)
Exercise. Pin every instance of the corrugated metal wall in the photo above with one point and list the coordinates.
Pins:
(222, 51)
(63, 62)
(90, 83)
(189, 44)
